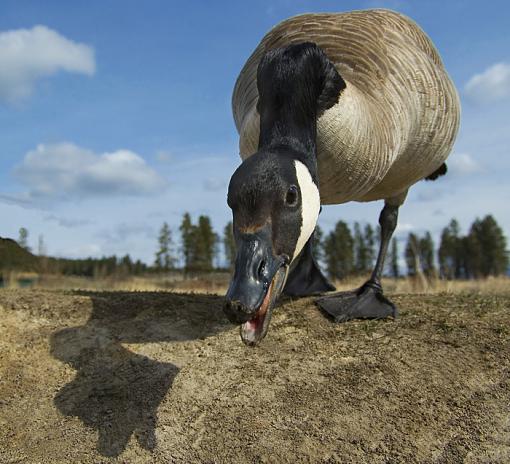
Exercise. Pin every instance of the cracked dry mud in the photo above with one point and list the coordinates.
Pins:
(142, 377)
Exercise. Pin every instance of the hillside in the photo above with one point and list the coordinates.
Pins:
(15, 257)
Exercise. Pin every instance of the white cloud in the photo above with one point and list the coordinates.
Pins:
(16, 199)
(163, 156)
(124, 230)
(69, 223)
(27, 55)
(490, 85)
(64, 170)
(463, 164)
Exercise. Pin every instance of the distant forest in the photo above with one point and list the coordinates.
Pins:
(480, 253)
(344, 252)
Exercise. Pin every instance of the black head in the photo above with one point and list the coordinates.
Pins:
(275, 205)
(265, 190)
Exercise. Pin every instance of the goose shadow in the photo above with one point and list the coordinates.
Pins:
(115, 390)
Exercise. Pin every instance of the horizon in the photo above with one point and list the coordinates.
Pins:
(138, 106)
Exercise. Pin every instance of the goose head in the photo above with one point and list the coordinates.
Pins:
(275, 205)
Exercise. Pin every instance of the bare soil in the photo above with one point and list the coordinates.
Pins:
(157, 377)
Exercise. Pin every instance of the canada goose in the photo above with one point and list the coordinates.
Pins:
(330, 108)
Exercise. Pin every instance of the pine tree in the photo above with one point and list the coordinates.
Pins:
(412, 254)
(125, 266)
(451, 252)
(482, 252)
(318, 244)
(138, 267)
(187, 241)
(205, 241)
(229, 245)
(486, 249)
(41, 246)
(370, 247)
(426, 250)
(394, 259)
(42, 253)
(360, 250)
(339, 249)
(472, 253)
(164, 259)
(23, 239)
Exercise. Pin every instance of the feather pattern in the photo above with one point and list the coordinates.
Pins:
(395, 122)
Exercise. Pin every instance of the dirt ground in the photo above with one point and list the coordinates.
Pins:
(143, 377)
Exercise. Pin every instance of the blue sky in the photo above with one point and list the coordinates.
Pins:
(115, 116)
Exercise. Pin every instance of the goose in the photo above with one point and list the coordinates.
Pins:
(330, 108)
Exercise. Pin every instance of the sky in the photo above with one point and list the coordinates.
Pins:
(115, 117)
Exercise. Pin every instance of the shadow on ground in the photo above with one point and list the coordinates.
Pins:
(115, 390)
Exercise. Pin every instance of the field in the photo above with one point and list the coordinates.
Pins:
(90, 376)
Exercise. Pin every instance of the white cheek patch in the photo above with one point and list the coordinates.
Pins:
(310, 205)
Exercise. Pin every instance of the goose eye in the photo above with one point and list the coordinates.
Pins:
(291, 198)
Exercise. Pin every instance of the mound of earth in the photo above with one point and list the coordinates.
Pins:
(142, 377)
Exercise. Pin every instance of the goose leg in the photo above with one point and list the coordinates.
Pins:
(367, 302)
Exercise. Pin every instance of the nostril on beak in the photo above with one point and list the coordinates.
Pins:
(236, 312)
(237, 306)
(261, 269)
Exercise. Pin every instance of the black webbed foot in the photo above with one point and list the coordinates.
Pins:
(367, 302)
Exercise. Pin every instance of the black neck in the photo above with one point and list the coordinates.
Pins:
(290, 130)
(296, 84)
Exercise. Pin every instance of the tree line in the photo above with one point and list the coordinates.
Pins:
(199, 247)
(345, 251)
(479, 253)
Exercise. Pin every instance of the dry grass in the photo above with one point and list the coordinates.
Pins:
(218, 283)
(408, 285)
(214, 283)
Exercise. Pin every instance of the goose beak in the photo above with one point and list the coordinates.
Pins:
(258, 280)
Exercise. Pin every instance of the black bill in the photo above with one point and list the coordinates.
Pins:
(258, 280)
